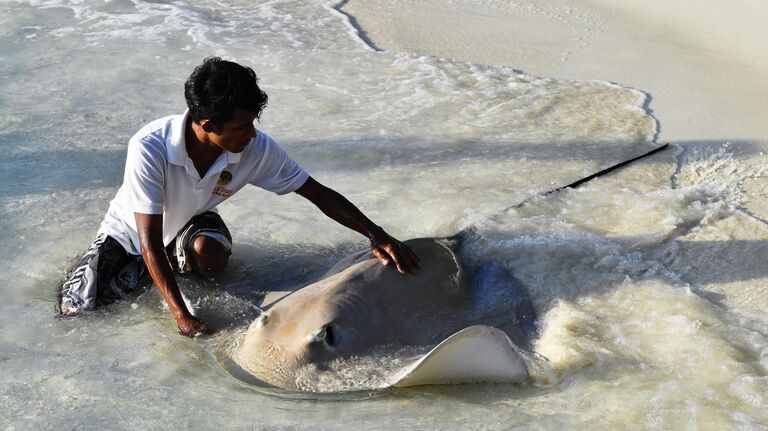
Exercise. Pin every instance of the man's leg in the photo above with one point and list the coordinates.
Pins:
(203, 245)
(209, 255)
(105, 273)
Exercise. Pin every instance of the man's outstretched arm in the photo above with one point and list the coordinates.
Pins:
(384, 247)
(150, 230)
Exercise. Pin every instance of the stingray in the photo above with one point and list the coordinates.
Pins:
(471, 325)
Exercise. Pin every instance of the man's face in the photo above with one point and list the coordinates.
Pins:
(236, 133)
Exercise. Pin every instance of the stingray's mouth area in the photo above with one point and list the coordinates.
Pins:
(371, 370)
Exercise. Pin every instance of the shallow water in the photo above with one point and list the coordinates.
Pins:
(648, 283)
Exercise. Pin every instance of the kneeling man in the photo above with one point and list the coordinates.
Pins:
(178, 169)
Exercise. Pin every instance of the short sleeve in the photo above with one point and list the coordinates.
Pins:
(145, 176)
(277, 171)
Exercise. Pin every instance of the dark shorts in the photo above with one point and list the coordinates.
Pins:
(107, 272)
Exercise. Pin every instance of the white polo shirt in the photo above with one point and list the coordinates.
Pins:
(160, 178)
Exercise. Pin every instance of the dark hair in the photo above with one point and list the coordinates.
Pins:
(217, 87)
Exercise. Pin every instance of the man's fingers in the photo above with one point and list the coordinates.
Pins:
(396, 252)
(205, 329)
(413, 260)
(383, 258)
(196, 326)
(410, 256)
(187, 333)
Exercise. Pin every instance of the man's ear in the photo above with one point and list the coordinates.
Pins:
(208, 126)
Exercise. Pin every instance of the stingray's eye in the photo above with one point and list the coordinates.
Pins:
(327, 335)
(331, 337)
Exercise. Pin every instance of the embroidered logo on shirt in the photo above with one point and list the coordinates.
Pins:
(221, 191)
(224, 178)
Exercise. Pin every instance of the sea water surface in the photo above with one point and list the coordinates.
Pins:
(648, 284)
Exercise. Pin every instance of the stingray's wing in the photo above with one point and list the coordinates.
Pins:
(475, 354)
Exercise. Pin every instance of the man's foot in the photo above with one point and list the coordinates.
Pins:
(66, 311)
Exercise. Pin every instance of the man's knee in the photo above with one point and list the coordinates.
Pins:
(210, 256)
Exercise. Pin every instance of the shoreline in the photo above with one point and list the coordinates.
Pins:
(355, 28)
(702, 86)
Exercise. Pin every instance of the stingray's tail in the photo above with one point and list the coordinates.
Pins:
(578, 183)
(455, 241)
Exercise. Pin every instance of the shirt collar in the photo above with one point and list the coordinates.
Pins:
(176, 147)
(231, 157)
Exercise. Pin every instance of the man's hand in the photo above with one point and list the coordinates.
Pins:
(150, 230)
(384, 247)
(191, 326)
(389, 250)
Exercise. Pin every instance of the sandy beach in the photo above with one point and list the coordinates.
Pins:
(703, 63)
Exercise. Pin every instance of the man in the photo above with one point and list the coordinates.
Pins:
(178, 169)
